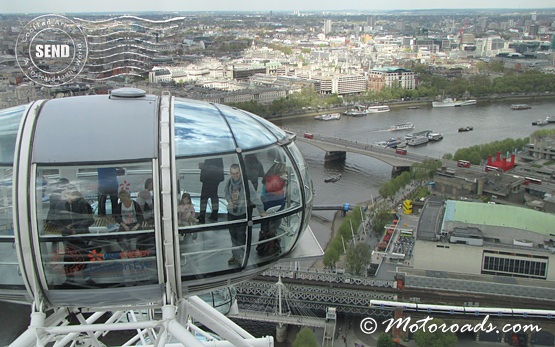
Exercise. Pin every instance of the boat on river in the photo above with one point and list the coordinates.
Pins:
(394, 143)
(404, 126)
(463, 129)
(540, 122)
(435, 136)
(332, 116)
(520, 107)
(377, 109)
(332, 179)
(417, 141)
(356, 113)
(419, 133)
(449, 102)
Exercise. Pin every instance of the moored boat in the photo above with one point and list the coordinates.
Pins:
(404, 126)
(519, 107)
(435, 136)
(356, 113)
(419, 133)
(394, 143)
(419, 140)
(333, 116)
(414, 107)
(377, 109)
(450, 102)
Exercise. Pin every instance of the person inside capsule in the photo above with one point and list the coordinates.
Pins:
(237, 209)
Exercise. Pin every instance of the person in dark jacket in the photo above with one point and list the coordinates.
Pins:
(254, 169)
(74, 213)
(107, 186)
(211, 174)
(55, 198)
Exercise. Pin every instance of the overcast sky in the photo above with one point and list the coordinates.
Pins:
(59, 6)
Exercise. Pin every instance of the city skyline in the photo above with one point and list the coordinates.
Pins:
(37, 6)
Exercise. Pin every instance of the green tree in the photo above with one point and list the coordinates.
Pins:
(381, 218)
(331, 256)
(385, 341)
(425, 338)
(305, 338)
(358, 258)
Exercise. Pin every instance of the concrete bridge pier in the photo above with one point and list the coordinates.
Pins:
(397, 170)
(281, 332)
(335, 156)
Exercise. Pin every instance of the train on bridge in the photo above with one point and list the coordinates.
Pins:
(465, 310)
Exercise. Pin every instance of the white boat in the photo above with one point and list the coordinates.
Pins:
(540, 122)
(378, 109)
(435, 136)
(519, 107)
(332, 116)
(449, 102)
(419, 133)
(356, 113)
(404, 126)
(419, 140)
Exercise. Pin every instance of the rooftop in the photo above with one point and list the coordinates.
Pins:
(499, 216)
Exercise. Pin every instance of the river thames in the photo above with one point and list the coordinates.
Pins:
(361, 175)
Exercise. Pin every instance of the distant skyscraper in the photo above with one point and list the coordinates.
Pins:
(483, 22)
(327, 26)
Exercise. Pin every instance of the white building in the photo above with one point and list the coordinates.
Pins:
(342, 84)
(391, 77)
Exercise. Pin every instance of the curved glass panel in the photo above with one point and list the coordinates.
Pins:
(273, 237)
(248, 131)
(277, 131)
(202, 181)
(10, 119)
(9, 265)
(211, 191)
(307, 187)
(96, 227)
(9, 125)
(221, 299)
(213, 250)
(200, 129)
(275, 178)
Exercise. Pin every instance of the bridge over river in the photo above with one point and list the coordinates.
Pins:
(337, 148)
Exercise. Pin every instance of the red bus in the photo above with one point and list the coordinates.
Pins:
(401, 151)
(308, 135)
(532, 180)
(463, 163)
(492, 168)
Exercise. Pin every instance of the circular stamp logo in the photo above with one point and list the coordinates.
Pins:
(51, 50)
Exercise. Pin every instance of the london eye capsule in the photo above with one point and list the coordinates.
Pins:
(127, 198)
